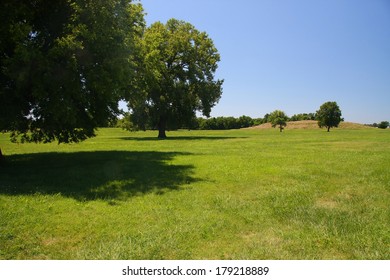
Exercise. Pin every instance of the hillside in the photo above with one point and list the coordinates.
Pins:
(311, 125)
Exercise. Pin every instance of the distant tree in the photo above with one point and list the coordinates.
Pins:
(329, 115)
(211, 123)
(178, 76)
(258, 121)
(266, 118)
(223, 123)
(278, 118)
(245, 121)
(302, 117)
(295, 118)
(383, 125)
(125, 122)
(231, 123)
(201, 123)
(311, 116)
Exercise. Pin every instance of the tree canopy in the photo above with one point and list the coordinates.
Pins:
(302, 117)
(329, 115)
(278, 118)
(64, 65)
(383, 124)
(177, 76)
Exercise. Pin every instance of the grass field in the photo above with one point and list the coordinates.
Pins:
(240, 194)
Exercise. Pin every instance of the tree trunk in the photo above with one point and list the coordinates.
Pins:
(161, 128)
(328, 128)
(1, 156)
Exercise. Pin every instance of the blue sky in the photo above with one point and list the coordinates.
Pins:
(294, 55)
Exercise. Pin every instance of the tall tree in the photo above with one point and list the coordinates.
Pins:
(278, 118)
(64, 65)
(178, 76)
(329, 115)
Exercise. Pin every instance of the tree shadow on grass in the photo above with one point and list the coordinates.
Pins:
(170, 138)
(106, 175)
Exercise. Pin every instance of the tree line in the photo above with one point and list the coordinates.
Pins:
(213, 123)
(224, 123)
(382, 124)
(328, 115)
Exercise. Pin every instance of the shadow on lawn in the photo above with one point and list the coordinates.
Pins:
(170, 138)
(93, 175)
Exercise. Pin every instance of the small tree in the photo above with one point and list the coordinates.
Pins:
(329, 115)
(383, 125)
(279, 118)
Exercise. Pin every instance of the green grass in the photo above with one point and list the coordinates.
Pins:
(241, 194)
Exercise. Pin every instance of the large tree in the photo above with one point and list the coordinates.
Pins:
(278, 118)
(64, 65)
(329, 115)
(177, 76)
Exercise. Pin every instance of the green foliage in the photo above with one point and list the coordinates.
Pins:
(64, 66)
(178, 76)
(258, 121)
(278, 118)
(125, 123)
(224, 123)
(237, 194)
(303, 117)
(383, 125)
(329, 115)
(266, 118)
(245, 121)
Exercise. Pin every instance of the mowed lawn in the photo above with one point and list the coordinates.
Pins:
(240, 194)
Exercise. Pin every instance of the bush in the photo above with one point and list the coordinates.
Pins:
(383, 125)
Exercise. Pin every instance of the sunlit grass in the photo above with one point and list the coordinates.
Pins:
(243, 194)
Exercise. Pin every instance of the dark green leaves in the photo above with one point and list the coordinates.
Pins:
(65, 65)
(329, 115)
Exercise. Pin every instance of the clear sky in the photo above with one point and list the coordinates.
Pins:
(294, 55)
